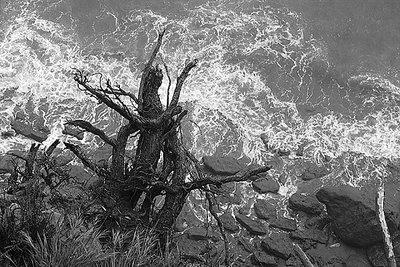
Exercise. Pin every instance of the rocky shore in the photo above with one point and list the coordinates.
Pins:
(334, 225)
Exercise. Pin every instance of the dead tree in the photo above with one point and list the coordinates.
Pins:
(161, 163)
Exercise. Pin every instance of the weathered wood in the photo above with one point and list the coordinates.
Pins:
(387, 241)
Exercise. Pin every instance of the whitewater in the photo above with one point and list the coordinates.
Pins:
(263, 69)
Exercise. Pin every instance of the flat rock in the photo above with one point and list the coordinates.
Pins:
(222, 165)
(253, 226)
(198, 233)
(264, 209)
(39, 134)
(279, 245)
(229, 222)
(263, 259)
(306, 203)
(313, 171)
(264, 185)
(285, 224)
(313, 235)
(353, 216)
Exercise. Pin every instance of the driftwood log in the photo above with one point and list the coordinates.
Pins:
(161, 164)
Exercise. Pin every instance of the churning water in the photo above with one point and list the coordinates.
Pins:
(323, 75)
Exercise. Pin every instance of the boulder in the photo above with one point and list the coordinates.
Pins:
(263, 186)
(264, 209)
(353, 216)
(306, 203)
(279, 245)
(222, 165)
(285, 224)
(254, 227)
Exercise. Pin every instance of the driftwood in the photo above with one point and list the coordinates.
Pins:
(302, 256)
(161, 164)
(387, 242)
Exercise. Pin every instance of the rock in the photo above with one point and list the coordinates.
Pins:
(264, 209)
(38, 134)
(73, 131)
(7, 134)
(376, 254)
(254, 227)
(293, 261)
(6, 164)
(284, 224)
(314, 171)
(222, 165)
(229, 222)
(313, 235)
(306, 203)
(279, 245)
(263, 186)
(353, 216)
(263, 259)
(199, 233)
(316, 222)
(356, 261)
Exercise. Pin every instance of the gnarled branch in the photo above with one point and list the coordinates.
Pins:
(247, 176)
(100, 171)
(179, 83)
(87, 126)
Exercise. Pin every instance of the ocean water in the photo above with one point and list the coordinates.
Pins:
(319, 74)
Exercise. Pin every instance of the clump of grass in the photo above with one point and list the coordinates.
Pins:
(73, 244)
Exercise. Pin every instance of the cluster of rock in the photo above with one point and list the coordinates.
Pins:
(333, 225)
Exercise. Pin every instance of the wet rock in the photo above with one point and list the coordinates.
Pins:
(313, 171)
(264, 185)
(353, 216)
(38, 134)
(356, 261)
(306, 203)
(262, 259)
(264, 209)
(222, 165)
(73, 131)
(254, 227)
(229, 222)
(279, 245)
(285, 224)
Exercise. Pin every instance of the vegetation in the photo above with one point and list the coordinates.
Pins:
(119, 235)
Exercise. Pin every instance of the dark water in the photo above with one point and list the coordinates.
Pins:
(320, 74)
